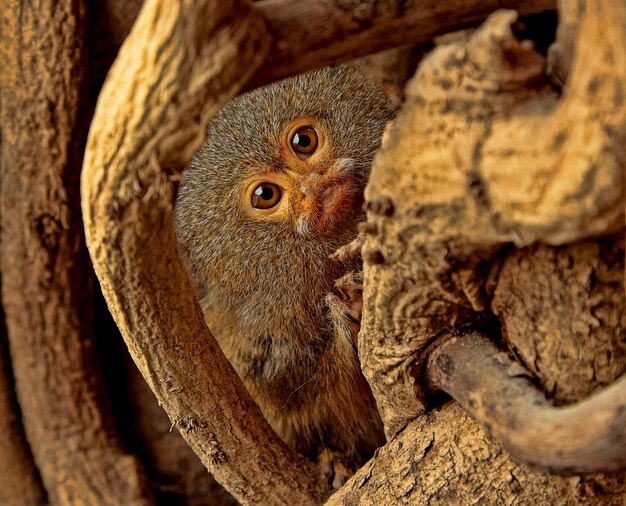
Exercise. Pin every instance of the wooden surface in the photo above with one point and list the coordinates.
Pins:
(309, 35)
(586, 437)
(46, 278)
(180, 62)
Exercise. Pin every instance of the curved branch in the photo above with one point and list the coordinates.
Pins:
(309, 35)
(21, 483)
(180, 63)
(46, 278)
(589, 436)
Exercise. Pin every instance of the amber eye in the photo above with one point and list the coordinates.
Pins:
(304, 141)
(266, 195)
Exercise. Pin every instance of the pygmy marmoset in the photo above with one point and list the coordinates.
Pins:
(275, 189)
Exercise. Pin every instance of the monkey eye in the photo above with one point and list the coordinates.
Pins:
(304, 141)
(266, 196)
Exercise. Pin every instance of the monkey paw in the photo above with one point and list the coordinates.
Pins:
(350, 250)
(346, 305)
(334, 467)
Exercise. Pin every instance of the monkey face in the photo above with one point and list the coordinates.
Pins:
(274, 190)
(315, 189)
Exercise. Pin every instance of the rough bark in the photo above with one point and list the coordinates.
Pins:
(46, 276)
(447, 458)
(579, 345)
(486, 153)
(21, 484)
(178, 65)
(175, 473)
(589, 436)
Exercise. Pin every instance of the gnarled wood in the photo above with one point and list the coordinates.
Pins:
(446, 458)
(309, 35)
(562, 310)
(586, 437)
(485, 153)
(21, 484)
(46, 279)
(181, 61)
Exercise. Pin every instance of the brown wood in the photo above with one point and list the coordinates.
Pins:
(484, 156)
(490, 155)
(179, 64)
(589, 436)
(20, 481)
(126, 194)
(563, 312)
(46, 279)
(309, 35)
(445, 458)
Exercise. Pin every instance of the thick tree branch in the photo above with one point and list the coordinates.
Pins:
(309, 35)
(446, 458)
(589, 436)
(180, 63)
(490, 155)
(46, 278)
(21, 484)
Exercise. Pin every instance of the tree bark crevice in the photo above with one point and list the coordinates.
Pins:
(46, 277)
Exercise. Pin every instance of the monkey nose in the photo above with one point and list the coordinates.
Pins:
(325, 202)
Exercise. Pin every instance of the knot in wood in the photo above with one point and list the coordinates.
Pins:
(382, 206)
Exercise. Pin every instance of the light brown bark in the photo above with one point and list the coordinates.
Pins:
(46, 280)
(589, 436)
(179, 64)
(486, 153)
(309, 35)
(446, 458)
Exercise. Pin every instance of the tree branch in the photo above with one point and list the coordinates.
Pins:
(180, 63)
(46, 277)
(309, 35)
(21, 483)
(589, 436)
(490, 155)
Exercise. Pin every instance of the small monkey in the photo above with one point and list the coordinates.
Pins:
(275, 189)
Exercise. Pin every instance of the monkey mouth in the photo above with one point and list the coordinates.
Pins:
(333, 204)
(336, 200)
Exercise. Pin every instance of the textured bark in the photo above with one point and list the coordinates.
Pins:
(445, 458)
(484, 154)
(589, 436)
(21, 484)
(308, 35)
(178, 65)
(176, 474)
(579, 345)
(46, 275)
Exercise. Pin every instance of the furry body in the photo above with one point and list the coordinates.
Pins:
(264, 279)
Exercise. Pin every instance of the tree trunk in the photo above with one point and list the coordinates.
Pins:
(46, 278)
